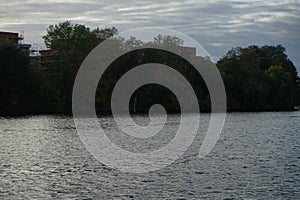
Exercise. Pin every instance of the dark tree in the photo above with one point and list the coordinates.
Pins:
(72, 43)
(258, 78)
(14, 66)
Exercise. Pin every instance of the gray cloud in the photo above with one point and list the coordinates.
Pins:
(217, 25)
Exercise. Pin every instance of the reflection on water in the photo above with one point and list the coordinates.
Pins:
(257, 156)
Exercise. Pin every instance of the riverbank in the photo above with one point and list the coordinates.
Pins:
(108, 114)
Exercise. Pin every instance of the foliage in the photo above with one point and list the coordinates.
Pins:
(21, 87)
(258, 78)
(72, 42)
(282, 90)
(13, 71)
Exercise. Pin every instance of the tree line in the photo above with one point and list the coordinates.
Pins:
(256, 78)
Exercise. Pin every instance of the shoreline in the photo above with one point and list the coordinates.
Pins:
(107, 114)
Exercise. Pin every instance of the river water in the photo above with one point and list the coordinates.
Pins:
(257, 157)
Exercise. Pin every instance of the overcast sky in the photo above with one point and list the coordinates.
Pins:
(217, 25)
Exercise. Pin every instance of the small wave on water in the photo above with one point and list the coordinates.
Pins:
(257, 157)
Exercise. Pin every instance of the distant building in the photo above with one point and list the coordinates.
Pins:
(15, 39)
(43, 58)
(25, 48)
(10, 37)
(40, 58)
(191, 51)
(47, 57)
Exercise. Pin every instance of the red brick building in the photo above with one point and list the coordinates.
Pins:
(15, 39)
(10, 36)
(46, 58)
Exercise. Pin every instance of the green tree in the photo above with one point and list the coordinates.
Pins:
(151, 93)
(250, 80)
(14, 66)
(72, 42)
(282, 92)
(21, 88)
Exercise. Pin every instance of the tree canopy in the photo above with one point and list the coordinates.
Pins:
(71, 42)
(256, 78)
(21, 86)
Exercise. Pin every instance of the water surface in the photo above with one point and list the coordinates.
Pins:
(257, 157)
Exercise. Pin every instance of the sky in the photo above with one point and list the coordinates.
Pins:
(216, 25)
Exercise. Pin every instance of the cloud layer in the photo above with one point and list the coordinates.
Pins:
(217, 25)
